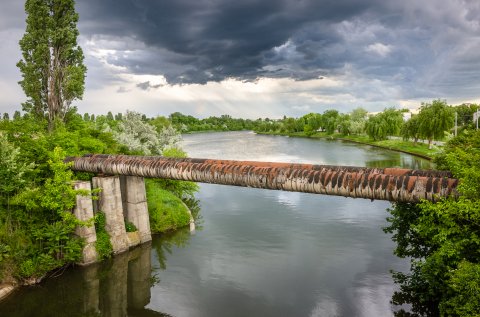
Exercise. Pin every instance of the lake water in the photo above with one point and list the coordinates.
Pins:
(255, 252)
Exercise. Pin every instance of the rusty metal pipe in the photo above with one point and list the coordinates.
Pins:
(391, 184)
(395, 171)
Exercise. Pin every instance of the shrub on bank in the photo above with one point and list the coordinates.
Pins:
(167, 212)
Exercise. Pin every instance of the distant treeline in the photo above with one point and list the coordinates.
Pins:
(433, 120)
(431, 123)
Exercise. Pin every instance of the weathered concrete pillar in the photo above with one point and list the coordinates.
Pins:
(135, 205)
(110, 202)
(84, 211)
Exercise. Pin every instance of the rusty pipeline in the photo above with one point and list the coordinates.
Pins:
(392, 184)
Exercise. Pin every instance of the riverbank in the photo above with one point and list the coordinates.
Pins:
(419, 149)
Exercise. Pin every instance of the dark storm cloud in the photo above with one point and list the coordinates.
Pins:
(210, 40)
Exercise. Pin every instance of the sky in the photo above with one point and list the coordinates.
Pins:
(263, 58)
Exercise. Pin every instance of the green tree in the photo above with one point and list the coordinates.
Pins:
(442, 240)
(16, 115)
(434, 119)
(411, 129)
(465, 113)
(52, 65)
(160, 122)
(359, 114)
(12, 170)
(376, 127)
(384, 124)
(313, 122)
(344, 124)
(358, 118)
(329, 119)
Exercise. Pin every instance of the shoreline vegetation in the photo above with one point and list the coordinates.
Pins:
(398, 145)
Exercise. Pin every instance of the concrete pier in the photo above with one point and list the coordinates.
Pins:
(110, 202)
(84, 212)
(135, 207)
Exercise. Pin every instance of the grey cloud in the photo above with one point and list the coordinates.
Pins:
(147, 86)
(122, 90)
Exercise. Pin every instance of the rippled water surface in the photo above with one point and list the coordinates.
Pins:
(256, 253)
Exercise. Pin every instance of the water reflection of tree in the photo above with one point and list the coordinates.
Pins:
(400, 161)
(164, 243)
(194, 205)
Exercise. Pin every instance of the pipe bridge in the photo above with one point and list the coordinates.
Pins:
(392, 184)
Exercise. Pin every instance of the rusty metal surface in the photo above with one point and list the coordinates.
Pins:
(393, 184)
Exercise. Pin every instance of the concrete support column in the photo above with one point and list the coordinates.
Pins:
(110, 202)
(84, 211)
(135, 205)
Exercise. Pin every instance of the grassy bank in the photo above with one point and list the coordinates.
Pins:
(419, 149)
(167, 211)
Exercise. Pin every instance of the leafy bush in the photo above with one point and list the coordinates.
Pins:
(167, 212)
(103, 246)
(130, 227)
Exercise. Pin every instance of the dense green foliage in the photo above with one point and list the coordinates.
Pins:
(411, 129)
(186, 123)
(168, 200)
(443, 240)
(465, 114)
(52, 65)
(384, 124)
(102, 245)
(36, 224)
(167, 211)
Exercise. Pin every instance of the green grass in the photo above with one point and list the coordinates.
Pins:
(167, 212)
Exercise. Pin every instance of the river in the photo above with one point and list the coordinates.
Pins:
(255, 252)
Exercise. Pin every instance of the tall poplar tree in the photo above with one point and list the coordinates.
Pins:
(52, 65)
